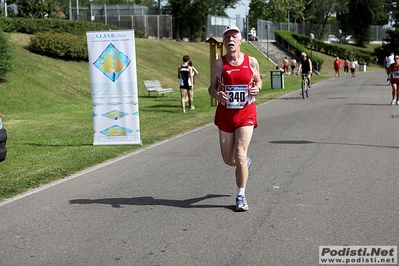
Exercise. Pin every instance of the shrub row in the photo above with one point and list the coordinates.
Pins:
(6, 51)
(60, 45)
(33, 26)
(58, 38)
(296, 45)
(334, 49)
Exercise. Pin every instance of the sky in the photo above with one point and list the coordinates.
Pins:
(240, 9)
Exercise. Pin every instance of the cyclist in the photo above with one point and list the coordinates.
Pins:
(305, 64)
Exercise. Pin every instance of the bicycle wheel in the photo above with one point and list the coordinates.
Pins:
(303, 88)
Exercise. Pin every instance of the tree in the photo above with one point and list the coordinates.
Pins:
(256, 9)
(190, 17)
(360, 25)
(278, 10)
(320, 13)
(392, 40)
(6, 51)
(36, 8)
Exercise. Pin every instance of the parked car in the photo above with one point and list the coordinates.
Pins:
(3, 138)
(349, 39)
(332, 38)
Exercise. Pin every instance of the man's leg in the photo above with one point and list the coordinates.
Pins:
(183, 93)
(243, 137)
(233, 147)
(190, 99)
(226, 141)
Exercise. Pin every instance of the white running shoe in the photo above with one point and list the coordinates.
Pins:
(393, 101)
(241, 204)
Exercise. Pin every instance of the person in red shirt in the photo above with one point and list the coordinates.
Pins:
(235, 81)
(337, 66)
(346, 66)
(393, 74)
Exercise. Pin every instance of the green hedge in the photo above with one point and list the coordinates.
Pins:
(336, 50)
(296, 44)
(6, 51)
(60, 45)
(33, 26)
(58, 38)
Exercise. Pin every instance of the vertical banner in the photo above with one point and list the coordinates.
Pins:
(113, 81)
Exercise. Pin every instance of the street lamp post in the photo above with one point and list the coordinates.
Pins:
(246, 22)
(288, 15)
(267, 40)
(311, 44)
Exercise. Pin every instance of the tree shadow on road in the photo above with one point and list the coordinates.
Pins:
(330, 143)
(151, 201)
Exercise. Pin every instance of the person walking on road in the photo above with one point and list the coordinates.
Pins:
(285, 65)
(195, 72)
(353, 66)
(337, 66)
(185, 75)
(393, 74)
(346, 66)
(235, 82)
(390, 61)
(293, 65)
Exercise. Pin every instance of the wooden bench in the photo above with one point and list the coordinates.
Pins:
(155, 86)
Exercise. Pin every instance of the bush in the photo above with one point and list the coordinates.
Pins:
(55, 37)
(33, 26)
(296, 44)
(60, 45)
(335, 50)
(6, 51)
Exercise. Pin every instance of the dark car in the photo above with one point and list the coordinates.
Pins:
(3, 138)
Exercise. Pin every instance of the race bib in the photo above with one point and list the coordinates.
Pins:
(395, 74)
(238, 96)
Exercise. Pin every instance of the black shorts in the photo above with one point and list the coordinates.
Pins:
(187, 88)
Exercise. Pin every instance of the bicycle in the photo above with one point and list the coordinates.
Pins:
(305, 86)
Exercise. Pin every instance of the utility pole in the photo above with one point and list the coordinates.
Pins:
(288, 15)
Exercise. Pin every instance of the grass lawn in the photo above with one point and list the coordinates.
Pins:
(46, 106)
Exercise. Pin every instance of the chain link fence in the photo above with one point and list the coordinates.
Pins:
(265, 29)
(139, 18)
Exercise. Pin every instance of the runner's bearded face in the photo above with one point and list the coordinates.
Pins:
(232, 40)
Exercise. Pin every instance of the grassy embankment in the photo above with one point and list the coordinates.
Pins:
(46, 106)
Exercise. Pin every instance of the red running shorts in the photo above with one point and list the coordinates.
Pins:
(229, 120)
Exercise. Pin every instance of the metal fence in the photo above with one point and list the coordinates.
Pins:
(127, 17)
(266, 29)
(217, 24)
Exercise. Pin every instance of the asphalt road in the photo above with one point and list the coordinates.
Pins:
(325, 173)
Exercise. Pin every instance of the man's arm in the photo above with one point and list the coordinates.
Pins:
(213, 88)
(191, 75)
(178, 72)
(257, 79)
